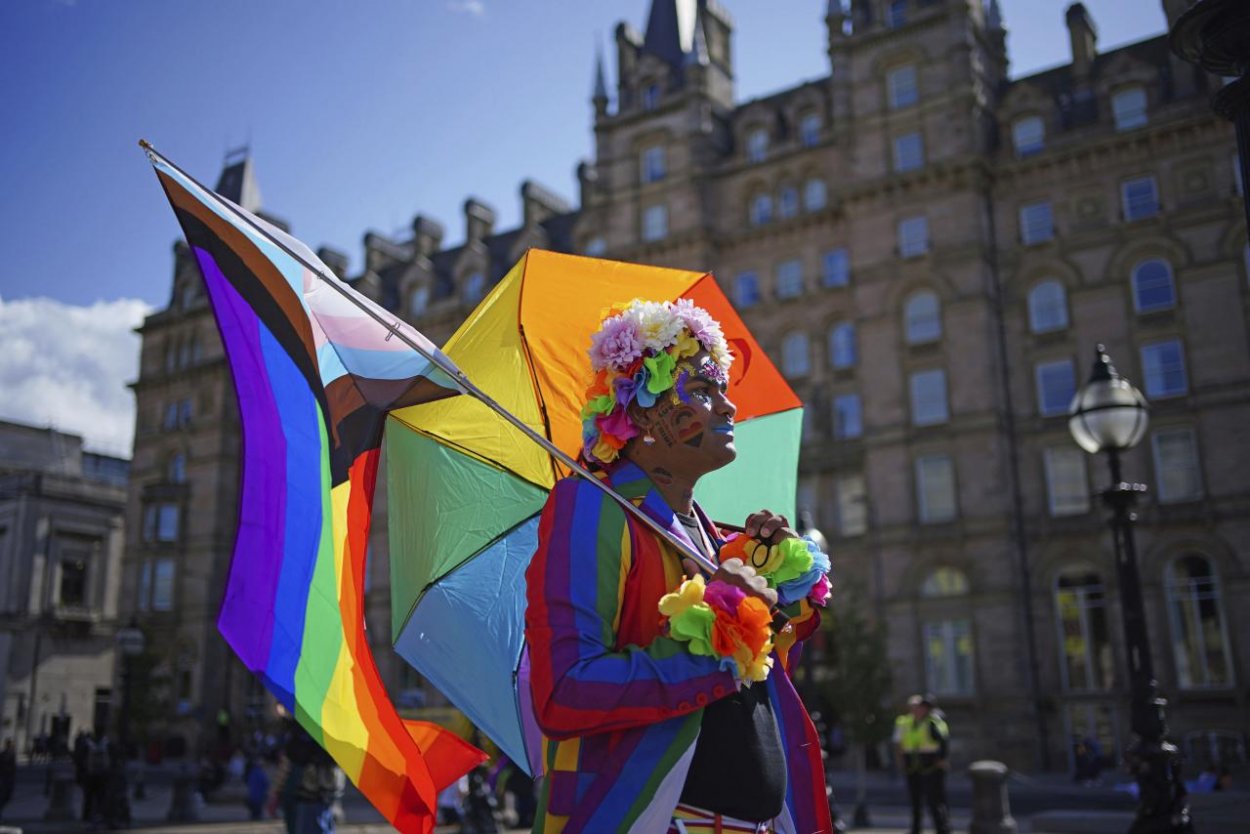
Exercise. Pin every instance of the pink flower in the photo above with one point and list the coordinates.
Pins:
(724, 596)
(819, 594)
(618, 343)
(617, 423)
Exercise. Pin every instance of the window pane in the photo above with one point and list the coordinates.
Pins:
(420, 299)
(789, 279)
(1176, 465)
(908, 152)
(896, 13)
(655, 223)
(761, 210)
(809, 129)
(1163, 366)
(902, 87)
(1140, 198)
(948, 657)
(1056, 386)
(1028, 135)
(1198, 625)
(474, 287)
(842, 345)
(852, 505)
(935, 488)
(1084, 637)
(795, 360)
(944, 582)
(757, 145)
(746, 290)
(1067, 486)
(1036, 223)
(1048, 307)
(653, 164)
(596, 246)
(847, 416)
(836, 271)
(73, 588)
(923, 318)
(1152, 286)
(913, 237)
(163, 585)
(814, 195)
(149, 523)
(1129, 108)
(788, 202)
(928, 398)
(145, 585)
(167, 523)
(176, 469)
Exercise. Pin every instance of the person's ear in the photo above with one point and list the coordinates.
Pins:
(643, 418)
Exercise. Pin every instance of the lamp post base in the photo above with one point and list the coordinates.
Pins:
(1163, 804)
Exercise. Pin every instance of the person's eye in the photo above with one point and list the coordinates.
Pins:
(703, 395)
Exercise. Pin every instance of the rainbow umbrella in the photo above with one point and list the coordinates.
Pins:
(465, 487)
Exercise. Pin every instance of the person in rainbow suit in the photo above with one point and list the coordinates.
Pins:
(664, 696)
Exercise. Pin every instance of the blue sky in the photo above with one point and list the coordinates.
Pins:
(359, 115)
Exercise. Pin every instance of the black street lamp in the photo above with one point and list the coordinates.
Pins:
(1215, 35)
(1109, 415)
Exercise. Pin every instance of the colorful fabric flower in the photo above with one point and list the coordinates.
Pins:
(634, 355)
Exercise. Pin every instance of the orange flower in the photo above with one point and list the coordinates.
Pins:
(749, 627)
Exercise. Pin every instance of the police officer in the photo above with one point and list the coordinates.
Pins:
(921, 747)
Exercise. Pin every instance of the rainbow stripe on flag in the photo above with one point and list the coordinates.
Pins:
(316, 366)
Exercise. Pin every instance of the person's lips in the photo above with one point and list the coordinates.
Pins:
(724, 428)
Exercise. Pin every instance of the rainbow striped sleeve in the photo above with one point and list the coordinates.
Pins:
(581, 680)
(314, 376)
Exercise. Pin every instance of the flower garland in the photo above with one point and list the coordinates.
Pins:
(636, 356)
(717, 619)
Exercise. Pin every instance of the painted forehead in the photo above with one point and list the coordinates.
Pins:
(704, 367)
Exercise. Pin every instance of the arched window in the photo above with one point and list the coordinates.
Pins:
(842, 352)
(1153, 288)
(809, 129)
(761, 210)
(757, 145)
(922, 318)
(1048, 307)
(788, 202)
(948, 647)
(1084, 635)
(815, 195)
(795, 356)
(650, 96)
(1199, 629)
(176, 468)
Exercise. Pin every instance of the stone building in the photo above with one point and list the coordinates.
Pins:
(60, 557)
(930, 250)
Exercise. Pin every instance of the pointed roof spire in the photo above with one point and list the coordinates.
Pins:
(697, 56)
(664, 29)
(237, 182)
(600, 92)
(994, 15)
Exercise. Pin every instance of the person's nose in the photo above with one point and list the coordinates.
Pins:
(725, 407)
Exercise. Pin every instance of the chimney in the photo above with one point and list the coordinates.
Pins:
(587, 179)
(427, 235)
(479, 220)
(333, 258)
(537, 203)
(1084, 38)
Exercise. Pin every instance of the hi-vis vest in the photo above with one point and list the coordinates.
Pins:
(914, 737)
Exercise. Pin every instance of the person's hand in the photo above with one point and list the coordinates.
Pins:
(734, 572)
(768, 526)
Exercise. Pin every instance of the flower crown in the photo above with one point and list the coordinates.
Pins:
(635, 356)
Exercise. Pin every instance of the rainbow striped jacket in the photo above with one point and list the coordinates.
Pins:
(620, 705)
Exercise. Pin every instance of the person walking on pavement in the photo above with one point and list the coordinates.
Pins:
(921, 744)
(8, 773)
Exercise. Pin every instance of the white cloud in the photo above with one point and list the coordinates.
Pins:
(477, 8)
(67, 367)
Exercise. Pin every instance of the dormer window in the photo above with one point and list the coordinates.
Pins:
(650, 96)
(1028, 135)
(757, 145)
(1129, 108)
(474, 287)
(418, 301)
(809, 130)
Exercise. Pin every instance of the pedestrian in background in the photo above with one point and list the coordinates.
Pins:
(921, 744)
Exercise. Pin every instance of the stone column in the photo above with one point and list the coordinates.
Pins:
(991, 812)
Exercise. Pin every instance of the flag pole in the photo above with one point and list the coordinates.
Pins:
(443, 362)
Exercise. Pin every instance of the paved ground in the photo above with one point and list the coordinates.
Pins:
(1041, 805)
